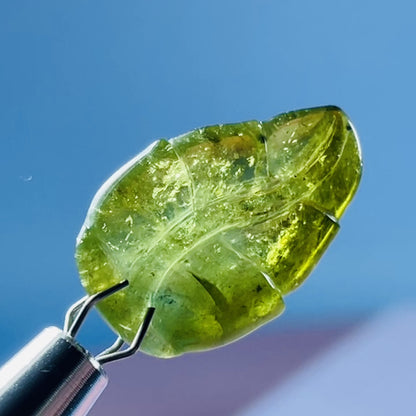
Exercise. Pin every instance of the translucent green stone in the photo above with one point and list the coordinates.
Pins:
(214, 227)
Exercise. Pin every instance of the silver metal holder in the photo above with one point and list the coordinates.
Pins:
(54, 375)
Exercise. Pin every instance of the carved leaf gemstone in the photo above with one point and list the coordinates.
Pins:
(214, 227)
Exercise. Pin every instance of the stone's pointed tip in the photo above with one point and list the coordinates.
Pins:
(325, 109)
(321, 109)
(330, 108)
(337, 110)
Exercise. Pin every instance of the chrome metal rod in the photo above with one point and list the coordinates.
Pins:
(51, 376)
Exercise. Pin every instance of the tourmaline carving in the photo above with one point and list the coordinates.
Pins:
(214, 227)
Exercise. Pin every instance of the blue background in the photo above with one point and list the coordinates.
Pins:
(86, 85)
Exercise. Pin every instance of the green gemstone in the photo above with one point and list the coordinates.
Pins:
(214, 227)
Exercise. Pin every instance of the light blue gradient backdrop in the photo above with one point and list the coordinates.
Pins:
(86, 85)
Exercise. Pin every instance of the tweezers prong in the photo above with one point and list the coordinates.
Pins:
(73, 312)
(135, 345)
(115, 347)
(80, 309)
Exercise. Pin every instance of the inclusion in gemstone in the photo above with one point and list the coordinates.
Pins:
(214, 227)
